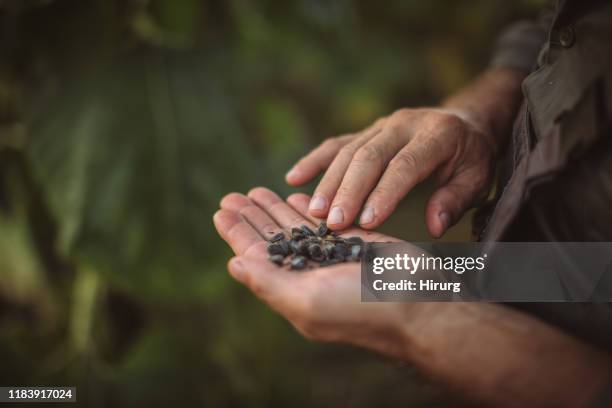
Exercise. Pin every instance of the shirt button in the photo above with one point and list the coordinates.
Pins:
(567, 36)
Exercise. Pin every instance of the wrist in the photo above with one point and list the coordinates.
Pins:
(445, 341)
(407, 326)
(490, 104)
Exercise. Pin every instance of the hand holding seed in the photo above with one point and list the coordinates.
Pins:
(323, 303)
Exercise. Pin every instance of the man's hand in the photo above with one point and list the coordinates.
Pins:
(488, 353)
(374, 169)
(323, 304)
(377, 167)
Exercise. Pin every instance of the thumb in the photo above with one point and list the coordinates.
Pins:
(448, 204)
(270, 283)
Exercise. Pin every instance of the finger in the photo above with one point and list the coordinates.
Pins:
(261, 221)
(449, 202)
(254, 215)
(239, 234)
(277, 209)
(279, 288)
(317, 160)
(235, 202)
(299, 202)
(326, 190)
(411, 165)
(364, 171)
(321, 157)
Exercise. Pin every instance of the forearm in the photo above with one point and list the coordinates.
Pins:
(491, 101)
(494, 355)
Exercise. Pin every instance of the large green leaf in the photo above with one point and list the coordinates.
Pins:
(133, 162)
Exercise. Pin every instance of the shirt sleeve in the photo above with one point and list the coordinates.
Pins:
(519, 44)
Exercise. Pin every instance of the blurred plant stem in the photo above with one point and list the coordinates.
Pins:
(86, 291)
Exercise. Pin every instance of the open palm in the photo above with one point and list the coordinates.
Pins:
(322, 303)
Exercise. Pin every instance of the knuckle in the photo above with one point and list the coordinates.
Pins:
(342, 140)
(397, 177)
(401, 114)
(446, 121)
(369, 153)
(401, 176)
(453, 122)
(330, 143)
(405, 160)
(432, 146)
(380, 122)
(343, 192)
(347, 151)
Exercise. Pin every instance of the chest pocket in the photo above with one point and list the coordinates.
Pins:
(570, 95)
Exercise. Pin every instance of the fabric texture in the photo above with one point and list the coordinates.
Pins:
(556, 180)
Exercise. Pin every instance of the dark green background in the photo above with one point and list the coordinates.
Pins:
(123, 123)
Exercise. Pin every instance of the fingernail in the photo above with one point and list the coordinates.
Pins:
(445, 220)
(367, 216)
(293, 173)
(336, 216)
(318, 203)
(236, 269)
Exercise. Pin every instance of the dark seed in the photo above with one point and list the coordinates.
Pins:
(313, 240)
(356, 253)
(340, 251)
(316, 252)
(278, 237)
(285, 245)
(323, 229)
(294, 245)
(298, 262)
(299, 247)
(277, 249)
(328, 247)
(324, 247)
(299, 236)
(277, 259)
(354, 241)
(307, 231)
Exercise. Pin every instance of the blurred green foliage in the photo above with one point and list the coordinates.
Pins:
(122, 124)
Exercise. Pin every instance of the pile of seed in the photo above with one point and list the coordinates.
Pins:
(323, 246)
